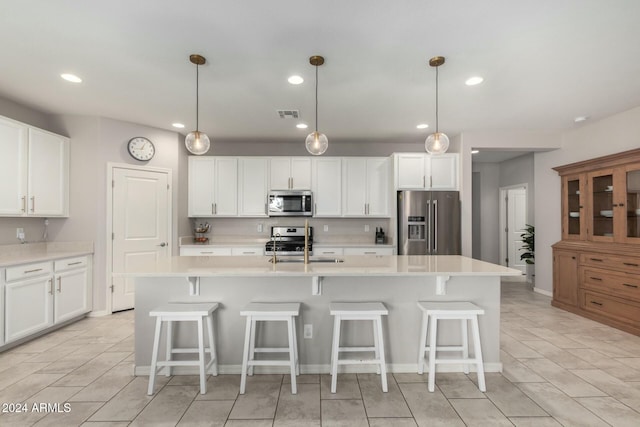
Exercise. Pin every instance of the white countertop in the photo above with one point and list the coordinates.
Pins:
(355, 265)
(37, 252)
(236, 242)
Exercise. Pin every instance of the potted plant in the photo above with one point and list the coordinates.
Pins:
(528, 242)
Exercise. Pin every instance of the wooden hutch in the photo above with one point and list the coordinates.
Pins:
(596, 265)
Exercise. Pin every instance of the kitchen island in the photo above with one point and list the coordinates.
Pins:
(397, 281)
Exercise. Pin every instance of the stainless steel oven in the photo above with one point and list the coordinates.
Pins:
(290, 203)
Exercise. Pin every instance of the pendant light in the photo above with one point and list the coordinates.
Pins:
(316, 142)
(438, 142)
(197, 142)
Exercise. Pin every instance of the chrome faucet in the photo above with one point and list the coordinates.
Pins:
(274, 239)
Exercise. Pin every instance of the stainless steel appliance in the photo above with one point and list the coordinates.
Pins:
(429, 223)
(290, 203)
(288, 241)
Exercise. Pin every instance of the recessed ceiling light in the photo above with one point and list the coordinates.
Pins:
(581, 119)
(295, 80)
(71, 78)
(475, 151)
(472, 81)
(178, 125)
(302, 126)
(422, 126)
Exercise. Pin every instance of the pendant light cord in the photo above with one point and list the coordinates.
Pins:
(437, 99)
(197, 97)
(316, 98)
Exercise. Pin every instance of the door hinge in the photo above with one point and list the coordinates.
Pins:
(111, 288)
(507, 261)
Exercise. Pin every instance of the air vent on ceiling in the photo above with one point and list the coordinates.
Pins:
(288, 114)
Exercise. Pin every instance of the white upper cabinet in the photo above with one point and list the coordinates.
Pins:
(213, 186)
(366, 186)
(327, 186)
(418, 171)
(290, 173)
(252, 186)
(34, 170)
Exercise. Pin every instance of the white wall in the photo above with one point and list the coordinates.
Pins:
(489, 177)
(608, 136)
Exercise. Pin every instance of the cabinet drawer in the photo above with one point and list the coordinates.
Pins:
(70, 263)
(613, 262)
(28, 270)
(327, 251)
(249, 251)
(368, 251)
(623, 285)
(206, 251)
(625, 311)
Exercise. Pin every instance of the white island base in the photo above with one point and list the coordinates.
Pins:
(397, 281)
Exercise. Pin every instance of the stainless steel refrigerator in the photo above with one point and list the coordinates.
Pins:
(429, 223)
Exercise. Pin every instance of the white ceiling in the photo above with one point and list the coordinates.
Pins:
(544, 63)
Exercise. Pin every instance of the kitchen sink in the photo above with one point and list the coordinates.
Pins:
(311, 260)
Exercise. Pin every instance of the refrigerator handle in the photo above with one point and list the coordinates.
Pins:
(435, 226)
(429, 227)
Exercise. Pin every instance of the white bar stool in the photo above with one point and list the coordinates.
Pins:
(270, 312)
(358, 311)
(184, 312)
(463, 311)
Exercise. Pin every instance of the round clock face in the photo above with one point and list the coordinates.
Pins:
(141, 148)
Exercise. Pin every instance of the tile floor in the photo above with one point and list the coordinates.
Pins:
(559, 369)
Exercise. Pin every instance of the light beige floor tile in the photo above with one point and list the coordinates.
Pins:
(479, 412)
(68, 363)
(612, 411)
(552, 337)
(410, 378)
(392, 422)
(455, 386)
(509, 399)
(222, 387)
(9, 359)
(259, 401)
(78, 413)
(302, 407)
(557, 355)
(104, 424)
(55, 353)
(296, 423)
(343, 413)
(563, 379)
(129, 402)
(184, 380)
(264, 378)
(534, 422)
(633, 362)
(516, 372)
(93, 369)
(379, 404)
(347, 387)
(249, 423)
(303, 379)
(206, 414)
(614, 367)
(518, 350)
(18, 372)
(624, 392)
(52, 395)
(27, 387)
(167, 406)
(429, 409)
(106, 386)
(560, 406)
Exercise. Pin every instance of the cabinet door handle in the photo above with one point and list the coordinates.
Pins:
(328, 252)
(249, 253)
(596, 303)
(629, 285)
(215, 208)
(32, 271)
(33, 203)
(212, 209)
(50, 286)
(315, 208)
(24, 203)
(424, 181)
(74, 263)
(369, 253)
(630, 264)
(596, 278)
(596, 259)
(59, 284)
(206, 252)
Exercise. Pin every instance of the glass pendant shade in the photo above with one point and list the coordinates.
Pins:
(197, 142)
(437, 143)
(316, 143)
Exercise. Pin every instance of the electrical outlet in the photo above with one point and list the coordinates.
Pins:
(366, 228)
(326, 227)
(259, 228)
(20, 233)
(308, 331)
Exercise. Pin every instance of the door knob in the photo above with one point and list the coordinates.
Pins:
(163, 244)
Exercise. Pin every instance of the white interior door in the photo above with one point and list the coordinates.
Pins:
(516, 222)
(141, 226)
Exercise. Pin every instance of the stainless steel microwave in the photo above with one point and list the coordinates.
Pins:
(290, 203)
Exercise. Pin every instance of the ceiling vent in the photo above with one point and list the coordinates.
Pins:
(288, 114)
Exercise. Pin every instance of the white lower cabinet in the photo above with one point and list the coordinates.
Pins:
(328, 251)
(41, 295)
(205, 251)
(248, 251)
(368, 251)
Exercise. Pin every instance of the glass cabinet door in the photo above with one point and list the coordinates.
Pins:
(601, 209)
(573, 196)
(632, 205)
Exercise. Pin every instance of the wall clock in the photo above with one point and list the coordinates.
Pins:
(141, 148)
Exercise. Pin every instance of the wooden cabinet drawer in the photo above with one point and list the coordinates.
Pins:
(70, 263)
(621, 284)
(28, 270)
(615, 308)
(613, 262)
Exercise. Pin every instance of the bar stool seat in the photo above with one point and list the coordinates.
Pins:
(372, 311)
(463, 311)
(270, 312)
(184, 312)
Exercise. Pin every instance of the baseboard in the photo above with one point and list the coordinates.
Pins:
(393, 368)
(100, 313)
(543, 292)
